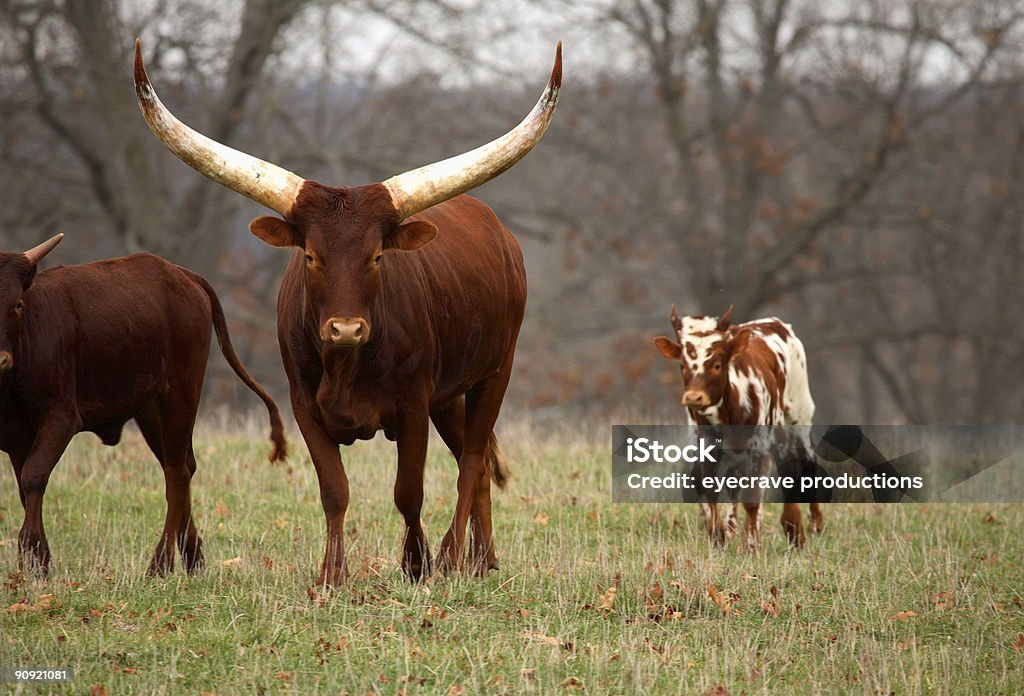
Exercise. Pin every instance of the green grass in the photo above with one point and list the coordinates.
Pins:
(901, 598)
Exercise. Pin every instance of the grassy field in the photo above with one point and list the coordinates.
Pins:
(591, 597)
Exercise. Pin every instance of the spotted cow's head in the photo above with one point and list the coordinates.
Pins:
(702, 351)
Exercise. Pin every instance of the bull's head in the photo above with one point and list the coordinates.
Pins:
(17, 271)
(703, 353)
(345, 232)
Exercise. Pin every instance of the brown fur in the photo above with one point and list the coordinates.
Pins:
(98, 345)
(442, 323)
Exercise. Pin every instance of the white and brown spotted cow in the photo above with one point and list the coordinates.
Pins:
(752, 374)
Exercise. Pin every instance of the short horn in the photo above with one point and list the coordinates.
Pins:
(36, 253)
(263, 182)
(677, 323)
(421, 188)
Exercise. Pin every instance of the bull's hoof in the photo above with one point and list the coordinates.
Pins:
(417, 569)
(449, 559)
(333, 576)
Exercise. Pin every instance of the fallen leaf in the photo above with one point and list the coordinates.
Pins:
(608, 599)
(283, 676)
(18, 607)
(456, 690)
(903, 615)
(97, 690)
(944, 601)
(232, 562)
(989, 518)
(541, 638)
(220, 509)
(1018, 644)
(572, 683)
(46, 601)
(541, 519)
(726, 604)
(774, 607)
(528, 673)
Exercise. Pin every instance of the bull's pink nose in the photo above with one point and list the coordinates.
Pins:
(6, 361)
(696, 399)
(346, 331)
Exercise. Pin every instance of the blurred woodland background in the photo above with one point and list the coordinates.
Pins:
(856, 168)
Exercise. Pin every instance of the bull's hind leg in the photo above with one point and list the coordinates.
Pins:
(450, 422)
(483, 402)
(412, 455)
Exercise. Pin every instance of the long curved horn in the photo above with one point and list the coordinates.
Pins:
(421, 188)
(36, 253)
(263, 182)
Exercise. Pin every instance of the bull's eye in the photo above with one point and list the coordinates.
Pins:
(19, 307)
(717, 367)
(378, 258)
(309, 259)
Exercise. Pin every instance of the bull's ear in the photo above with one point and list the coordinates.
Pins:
(410, 236)
(276, 232)
(725, 320)
(668, 348)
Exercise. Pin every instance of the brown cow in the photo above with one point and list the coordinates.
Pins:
(88, 348)
(752, 374)
(401, 305)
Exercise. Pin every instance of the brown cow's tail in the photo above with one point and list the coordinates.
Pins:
(280, 450)
(500, 472)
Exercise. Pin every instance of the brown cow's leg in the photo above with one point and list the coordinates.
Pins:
(483, 402)
(793, 525)
(450, 422)
(412, 456)
(189, 544)
(51, 440)
(334, 493)
(176, 420)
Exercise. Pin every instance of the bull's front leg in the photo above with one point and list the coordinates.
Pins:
(412, 455)
(334, 494)
(51, 440)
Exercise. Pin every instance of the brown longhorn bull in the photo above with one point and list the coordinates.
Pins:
(401, 305)
(88, 348)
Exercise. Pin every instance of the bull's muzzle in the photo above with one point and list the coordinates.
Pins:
(696, 399)
(345, 332)
(6, 361)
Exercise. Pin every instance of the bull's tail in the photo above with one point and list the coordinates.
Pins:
(500, 472)
(280, 450)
